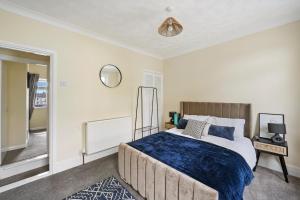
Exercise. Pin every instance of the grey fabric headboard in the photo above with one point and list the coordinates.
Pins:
(226, 110)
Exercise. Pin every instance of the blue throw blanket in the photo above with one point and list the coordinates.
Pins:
(220, 168)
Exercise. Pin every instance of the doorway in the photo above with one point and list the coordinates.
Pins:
(152, 79)
(25, 115)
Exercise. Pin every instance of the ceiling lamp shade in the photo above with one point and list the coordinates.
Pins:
(170, 27)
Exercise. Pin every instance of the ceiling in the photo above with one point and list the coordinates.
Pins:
(133, 23)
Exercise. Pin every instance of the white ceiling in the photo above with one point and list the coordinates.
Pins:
(134, 23)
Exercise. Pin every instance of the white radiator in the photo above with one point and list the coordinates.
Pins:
(105, 134)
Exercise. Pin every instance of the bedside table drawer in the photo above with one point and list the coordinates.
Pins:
(270, 148)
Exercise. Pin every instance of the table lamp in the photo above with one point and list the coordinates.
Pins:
(277, 129)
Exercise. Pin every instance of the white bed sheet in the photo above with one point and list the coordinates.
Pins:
(242, 146)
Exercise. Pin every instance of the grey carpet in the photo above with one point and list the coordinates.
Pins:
(267, 184)
(37, 145)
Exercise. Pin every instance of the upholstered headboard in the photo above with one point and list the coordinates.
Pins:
(226, 110)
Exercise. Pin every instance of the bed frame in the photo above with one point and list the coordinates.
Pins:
(155, 180)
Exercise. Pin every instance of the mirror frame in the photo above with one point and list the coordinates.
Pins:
(121, 77)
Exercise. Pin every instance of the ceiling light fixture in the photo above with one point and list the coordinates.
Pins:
(170, 27)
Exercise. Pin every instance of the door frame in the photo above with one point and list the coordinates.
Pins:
(1, 112)
(52, 102)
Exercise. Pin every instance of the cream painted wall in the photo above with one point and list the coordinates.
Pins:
(262, 69)
(15, 104)
(39, 118)
(38, 69)
(79, 59)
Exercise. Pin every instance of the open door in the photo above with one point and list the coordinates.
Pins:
(2, 111)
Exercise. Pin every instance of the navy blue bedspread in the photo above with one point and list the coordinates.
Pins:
(222, 169)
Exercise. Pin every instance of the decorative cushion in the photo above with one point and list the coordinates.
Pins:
(182, 123)
(194, 128)
(221, 131)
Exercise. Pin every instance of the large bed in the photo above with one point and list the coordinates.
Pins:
(156, 178)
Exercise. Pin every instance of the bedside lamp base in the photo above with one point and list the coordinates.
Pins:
(277, 139)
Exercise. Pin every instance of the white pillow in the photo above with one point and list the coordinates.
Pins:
(205, 130)
(238, 125)
(196, 117)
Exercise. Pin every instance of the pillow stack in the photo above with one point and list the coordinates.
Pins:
(238, 124)
(202, 125)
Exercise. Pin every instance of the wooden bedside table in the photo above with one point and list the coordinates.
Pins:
(169, 125)
(263, 145)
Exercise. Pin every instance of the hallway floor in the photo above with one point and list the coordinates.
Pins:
(37, 145)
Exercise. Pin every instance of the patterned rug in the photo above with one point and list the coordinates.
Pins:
(107, 189)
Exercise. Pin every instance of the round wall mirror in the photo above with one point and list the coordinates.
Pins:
(110, 76)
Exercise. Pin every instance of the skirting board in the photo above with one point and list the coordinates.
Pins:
(77, 161)
(273, 163)
(38, 128)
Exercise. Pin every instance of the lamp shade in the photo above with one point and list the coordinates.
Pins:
(170, 27)
(276, 128)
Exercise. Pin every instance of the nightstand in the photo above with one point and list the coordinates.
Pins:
(169, 125)
(263, 145)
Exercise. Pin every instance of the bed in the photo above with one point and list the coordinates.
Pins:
(157, 179)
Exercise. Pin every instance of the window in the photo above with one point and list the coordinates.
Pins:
(41, 94)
